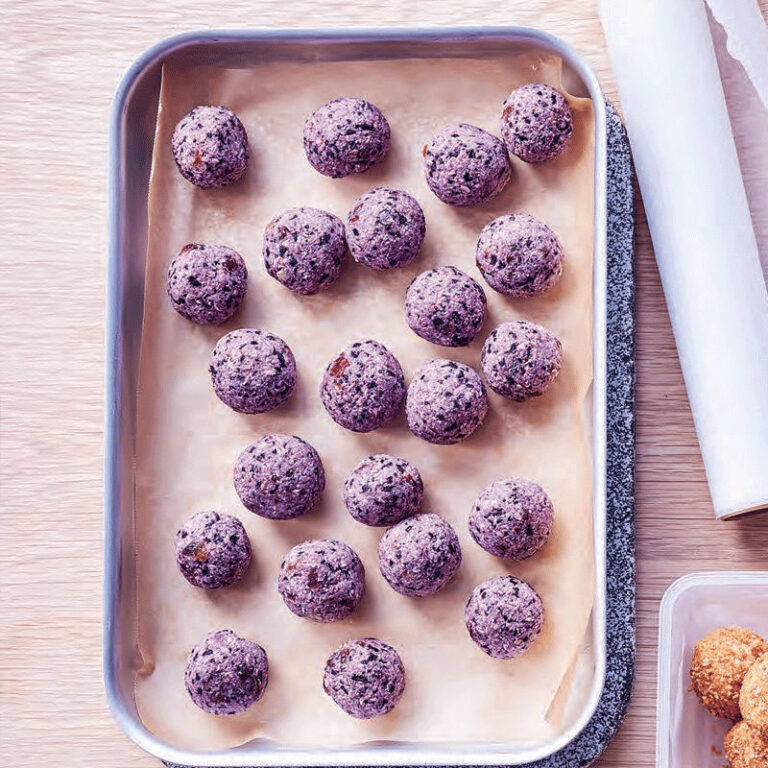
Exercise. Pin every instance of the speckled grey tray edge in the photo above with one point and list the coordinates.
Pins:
(620, 532)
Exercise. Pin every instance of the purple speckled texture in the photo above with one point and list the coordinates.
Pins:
(383, 490)
(420, 555)
(446, 402)
(346, 136)
(207, 283)
(226, 674)
(512, 518)
(210, 147)
(279, 477)
(445, 306)
(363, 387)
(212, 550)
(365, 677)
(303, 249)
(465, 165)
(536, 122)
(520, 360)
(385, 228)
(252, 370)
(519, 255)
(504, 615)
(322, 580)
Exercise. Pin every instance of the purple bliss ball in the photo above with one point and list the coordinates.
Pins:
(210, 147)
(225, 674)
(212, 550)
(252, 370)
(322, 580)
(519, 255)
(207, 283)
(520, 360)
(279, 477)
(465, 165)
(420, 555)
(303, 249)
(385, 228)
(365, 677)
(446, 402)
(363, 387)
(445, 306)
(346, 136)
(512, 518)
(383, 490)
(536, 122)
(504, 615)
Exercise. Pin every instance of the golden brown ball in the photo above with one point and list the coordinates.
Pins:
(745, 748)
(720, 662)
(753, 701)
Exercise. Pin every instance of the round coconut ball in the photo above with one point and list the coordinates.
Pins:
(753, 700)
(745, 747)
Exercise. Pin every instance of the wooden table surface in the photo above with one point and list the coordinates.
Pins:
(60, 61)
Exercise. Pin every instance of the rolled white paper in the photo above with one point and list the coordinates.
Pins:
(689, 175)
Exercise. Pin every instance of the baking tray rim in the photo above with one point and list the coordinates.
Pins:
(424, 753)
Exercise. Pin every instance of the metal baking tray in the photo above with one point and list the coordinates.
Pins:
(132, 131)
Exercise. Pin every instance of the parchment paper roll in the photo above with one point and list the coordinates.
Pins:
(689, 175)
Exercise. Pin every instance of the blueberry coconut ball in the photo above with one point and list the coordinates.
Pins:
(252, 370)
(210, 147)
(521, 359)
(519, 255)
(225, 674)
(504, 615)
(419, 556)
(465, 165)
(445, 306)
(383, 490)
(446, 402)
(303, 249)
(322, 580)
(212, 550)
(536, 122)
(512, 518)
(363, 387)
(279, 477)
(346, 136)
(365, 677)
(385, 229)
(207, 283)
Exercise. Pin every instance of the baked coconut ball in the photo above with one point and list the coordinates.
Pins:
(512, 518)
(226, 674)
(252, 370)
(303, 249)
(445, 306)
(720, 663)
(504, 616)
(536, 122)
(446, 402)
(363, 387)
(465, 165)
(420, 555)
(520, 360)
(385, 229)
(753, 700)
(212, 550)
(365, 677)
(519, 255)
(279, 477)
(207, 283)
(210, 147)
(383, 490)
(745, 747)
(346, 136)
(322, 580)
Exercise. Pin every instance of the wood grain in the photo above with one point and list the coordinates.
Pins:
(60, 61)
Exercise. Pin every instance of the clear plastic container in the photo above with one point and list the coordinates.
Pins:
(686, 734)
